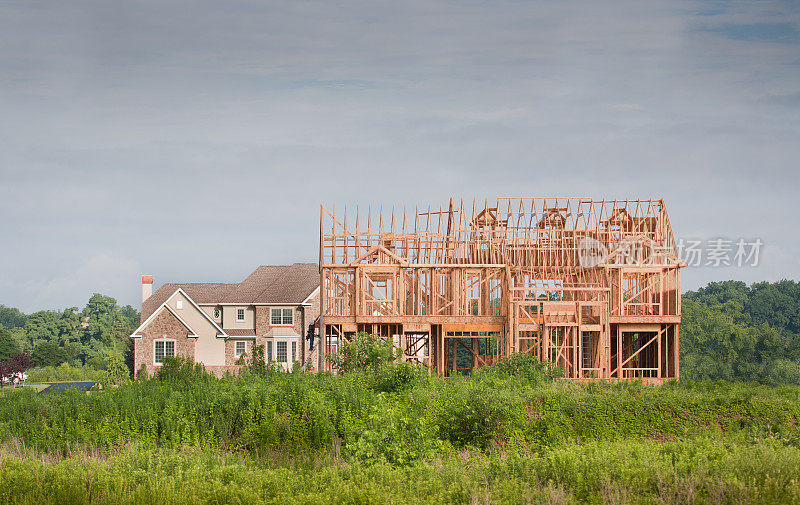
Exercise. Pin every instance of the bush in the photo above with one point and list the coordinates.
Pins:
(524, 366)
(117, 372)
(364, 351)
(470, 412)
(396, 434)
(181, 372)
(397, 377)
(65, 373)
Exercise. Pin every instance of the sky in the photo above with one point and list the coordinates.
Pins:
(196, 140)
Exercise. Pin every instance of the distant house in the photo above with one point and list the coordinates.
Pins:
(216, 323)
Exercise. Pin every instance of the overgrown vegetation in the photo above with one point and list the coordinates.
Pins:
(509, 434)
(300, 411)
(387, 432)
(380, 430)
(678, 472)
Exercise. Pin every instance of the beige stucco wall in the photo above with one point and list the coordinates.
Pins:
(229, 318)
(209, 349)
(209, 309)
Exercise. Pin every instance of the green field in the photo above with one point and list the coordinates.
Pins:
(506, 435)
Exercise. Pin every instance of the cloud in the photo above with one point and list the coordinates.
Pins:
(103, 272)
(759, 32)
(627, 107)
(195, 141)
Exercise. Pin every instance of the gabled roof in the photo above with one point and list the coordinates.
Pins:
(278, 284)
(220, 331)
(166, 307)
(199, 292)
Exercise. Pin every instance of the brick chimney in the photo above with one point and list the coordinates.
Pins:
(147, 287)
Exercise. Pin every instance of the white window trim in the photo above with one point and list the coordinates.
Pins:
(236, 352)
(281, 309)
(286, 343)
(244, 315)
(179, 304)
(288, 339)
(175, 349)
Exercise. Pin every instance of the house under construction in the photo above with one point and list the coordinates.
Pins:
(590, 285)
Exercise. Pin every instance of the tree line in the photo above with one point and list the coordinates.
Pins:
(729, 331)
(732, 331)
(95, 336)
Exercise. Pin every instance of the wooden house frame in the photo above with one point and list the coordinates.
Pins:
(590, 285)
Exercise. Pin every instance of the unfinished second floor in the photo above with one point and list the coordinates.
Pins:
(533, 255)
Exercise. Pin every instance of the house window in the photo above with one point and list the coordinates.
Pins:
(294, 352)
(164, 348)
(269, 351)
(240, 315)
(281, 352)
(179, 304)
(282, 317)
(241, 348)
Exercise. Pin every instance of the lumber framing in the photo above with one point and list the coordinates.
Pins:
(592, 286)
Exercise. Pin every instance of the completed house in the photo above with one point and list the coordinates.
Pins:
(216, 323)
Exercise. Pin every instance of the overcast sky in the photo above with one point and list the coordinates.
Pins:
(195, 140)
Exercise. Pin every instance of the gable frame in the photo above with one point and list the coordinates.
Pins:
(220, 331)
(192, 334)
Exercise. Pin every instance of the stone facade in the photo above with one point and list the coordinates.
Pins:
(263, 318)
(164, 325)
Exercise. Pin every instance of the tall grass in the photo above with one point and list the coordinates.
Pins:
(297, 412)
(509, 434)
(645, 471)
(65, 373)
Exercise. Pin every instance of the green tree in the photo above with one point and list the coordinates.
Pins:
(48, 354)
(364, 351)
(116, 371)
(11, 317)
(733, 332)
(8, 345)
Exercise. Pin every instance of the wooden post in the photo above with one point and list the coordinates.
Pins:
(502, 256)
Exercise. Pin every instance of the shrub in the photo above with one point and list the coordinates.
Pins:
(397, 377)
(117, 371)
(65, 373)
(525, 366)
(470, 412)
(395, 434)
(181, 372)
(364, 351)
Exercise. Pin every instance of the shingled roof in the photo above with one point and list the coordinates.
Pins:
(277, 284)
(267, 284)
